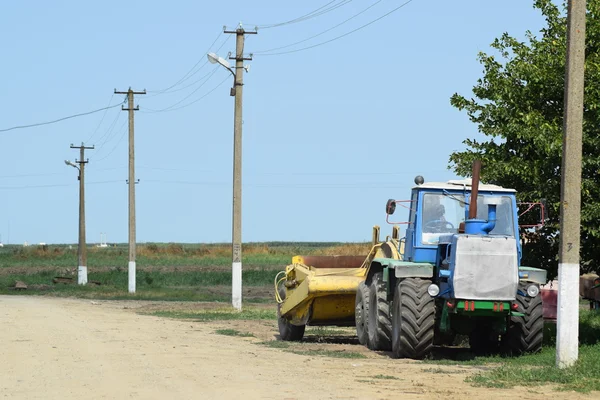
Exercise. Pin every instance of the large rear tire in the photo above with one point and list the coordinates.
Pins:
(379, 327)
(525, 334)
(288, 331)
(361, 313)
(413, 319)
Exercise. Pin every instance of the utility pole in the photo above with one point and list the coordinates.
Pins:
(82, 278)
(131, 181)
(567, 340)
(237, 90)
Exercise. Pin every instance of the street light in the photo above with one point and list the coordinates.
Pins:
(215, 59)
(236, 243)
(71, 164)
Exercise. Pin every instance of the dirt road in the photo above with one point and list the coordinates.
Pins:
(80, 349)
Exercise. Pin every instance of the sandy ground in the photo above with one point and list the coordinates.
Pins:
(80, 349)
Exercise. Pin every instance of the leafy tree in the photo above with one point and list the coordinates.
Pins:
(518, 107)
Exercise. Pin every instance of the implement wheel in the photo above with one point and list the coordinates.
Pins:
(379, 326)
(413, 323)
(525, 334)
(288, 331)
(361, 313)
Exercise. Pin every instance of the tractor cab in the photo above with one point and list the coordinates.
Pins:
(439, 210)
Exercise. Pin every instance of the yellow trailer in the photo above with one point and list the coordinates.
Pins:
(321, 290)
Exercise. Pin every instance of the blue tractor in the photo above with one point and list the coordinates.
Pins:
(457, 271)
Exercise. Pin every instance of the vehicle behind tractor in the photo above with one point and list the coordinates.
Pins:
(456, 272)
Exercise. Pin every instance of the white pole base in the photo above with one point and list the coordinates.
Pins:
(131, 276)
(567, 321)
(236, 285)
(82, 275)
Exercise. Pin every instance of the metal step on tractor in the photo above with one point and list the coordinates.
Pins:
(455, 272)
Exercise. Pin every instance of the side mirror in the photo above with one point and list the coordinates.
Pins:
(390, 206)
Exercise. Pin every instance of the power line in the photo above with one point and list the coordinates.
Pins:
(336, 185)
(319, 34)
(185, 77)
(189, 95)
(341, 36)
(124, 131)
(188, 104)
(101, 119)
(55, 185)
(204, 77)
(60, 119)
(28, 175)
(315, 13)
(108, 135)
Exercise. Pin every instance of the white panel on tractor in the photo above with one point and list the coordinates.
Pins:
(486, 268)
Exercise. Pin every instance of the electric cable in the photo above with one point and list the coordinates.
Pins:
(107, 136)
(115, 147)
(315, 13)
(101, 120)
(54, 185)
(260, 52)
(60, 119)
(188, 104)
(341, 36)
(186, 77)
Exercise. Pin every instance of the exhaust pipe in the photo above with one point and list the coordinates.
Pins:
(473, 225)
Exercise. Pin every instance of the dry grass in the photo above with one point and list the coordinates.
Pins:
(224, 250)
(348, 249)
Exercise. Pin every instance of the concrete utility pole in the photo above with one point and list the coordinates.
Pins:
(567, 340)
(236, 265)
(131, 181)
(82, 278)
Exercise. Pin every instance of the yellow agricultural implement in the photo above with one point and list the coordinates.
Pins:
(321, 290)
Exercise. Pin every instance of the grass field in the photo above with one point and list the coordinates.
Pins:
(172, 254)
(170, 271)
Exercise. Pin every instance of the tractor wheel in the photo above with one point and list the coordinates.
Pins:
(413, 319)
(361, 313)
(483, 340)
(288, 331)
(525, 334)
(379, 324)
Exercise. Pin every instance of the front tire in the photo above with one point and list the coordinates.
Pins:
(361, 313)
(413, 324)
(525, 334)
(379, 328)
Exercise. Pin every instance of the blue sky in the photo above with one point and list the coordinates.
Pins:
(330, 133)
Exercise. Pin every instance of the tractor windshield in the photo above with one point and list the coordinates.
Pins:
(442, 214)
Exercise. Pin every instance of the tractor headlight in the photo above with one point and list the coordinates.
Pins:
(433, 290)
(533, 290)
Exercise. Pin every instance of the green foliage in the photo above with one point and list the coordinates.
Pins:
(219, 315)
(518, 107)
(328, 353)
(276, 344)
(233, 332)
(582, 377)
(539, 369)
